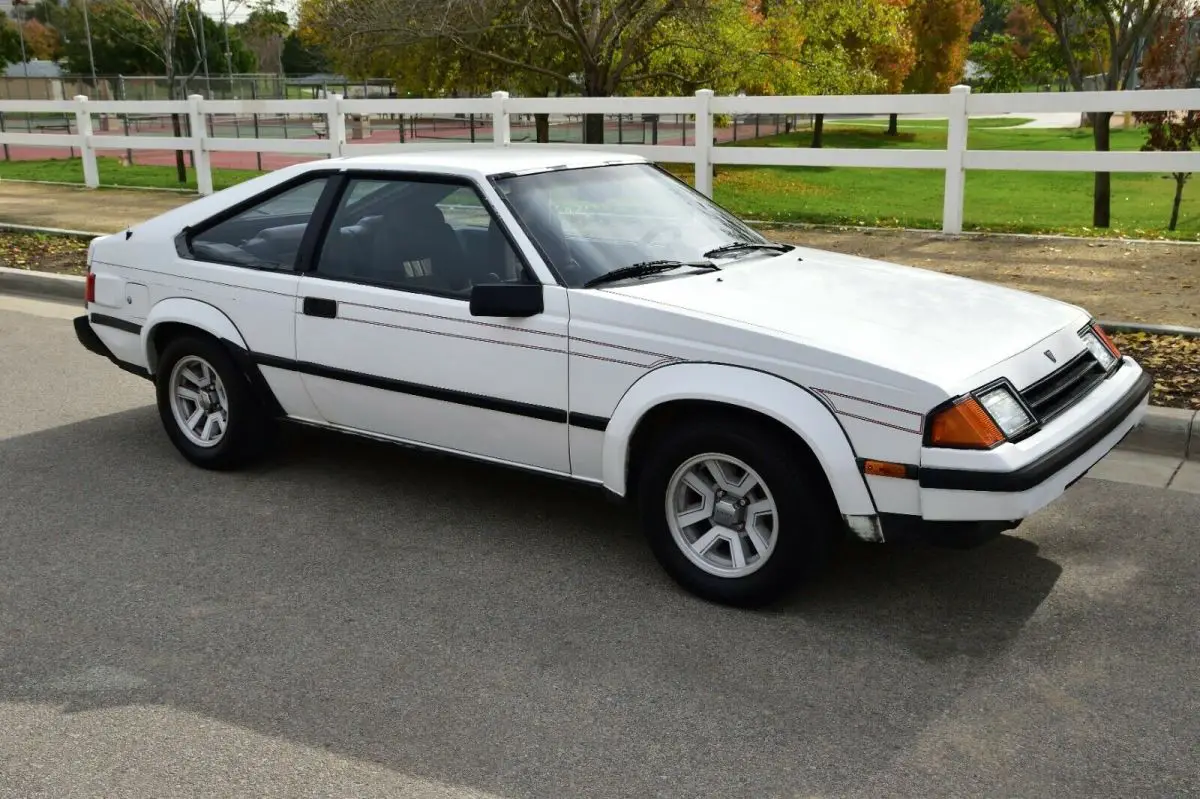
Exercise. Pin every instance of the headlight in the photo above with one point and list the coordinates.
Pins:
(1100, 346)
(1003, 406)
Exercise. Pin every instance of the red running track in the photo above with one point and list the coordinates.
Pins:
(380, 135)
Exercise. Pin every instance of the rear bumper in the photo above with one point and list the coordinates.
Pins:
(92, 343)
(1041, 472)
(88, 338)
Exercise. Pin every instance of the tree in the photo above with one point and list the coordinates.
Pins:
(264, 32)
(42, 41)
(941, 30)
(120, 43)
(300, 58)
(10, 42)
(1173, 62)
(993, 19)
(998, 57)
(155, 27)
(1124, 25)
(895, 59)
(594, 47)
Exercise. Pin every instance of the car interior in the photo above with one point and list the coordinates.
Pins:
(385, 232)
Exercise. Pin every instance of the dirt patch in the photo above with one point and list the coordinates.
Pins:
(1155, 283)
(70, 208)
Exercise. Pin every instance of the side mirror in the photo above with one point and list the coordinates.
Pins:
(507, 299)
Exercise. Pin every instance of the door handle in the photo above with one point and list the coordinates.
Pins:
(318, 306)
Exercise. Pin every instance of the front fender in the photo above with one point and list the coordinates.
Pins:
(772, 396)
(187, 311)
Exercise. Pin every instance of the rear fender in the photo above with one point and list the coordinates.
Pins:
(784, 401)
(191, 312)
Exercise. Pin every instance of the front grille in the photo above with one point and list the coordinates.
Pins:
(1064, 387)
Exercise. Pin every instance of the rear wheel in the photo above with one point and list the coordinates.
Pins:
(734, 515)
(207, 406)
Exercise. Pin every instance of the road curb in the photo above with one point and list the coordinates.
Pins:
(1173, 432)
(51, 231)
(44, 284)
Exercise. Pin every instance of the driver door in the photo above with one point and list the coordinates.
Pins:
(387, 340)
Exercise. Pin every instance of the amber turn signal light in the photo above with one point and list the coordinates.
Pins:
(964, 424)
(1108, 342)
(885, 469)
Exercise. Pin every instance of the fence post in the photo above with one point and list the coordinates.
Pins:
(501, 132)
(200, 157)
(704, 142)
(335, 125)
(83, 124)
(956, 145)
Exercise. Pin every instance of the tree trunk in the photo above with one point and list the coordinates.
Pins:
(180, 166)
(818, 137)
(893, 125)
(593, 128)
(541, 123)
(1102, 192)
(1180, 179)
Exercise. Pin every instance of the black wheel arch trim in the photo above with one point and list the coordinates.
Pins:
(1046, 466)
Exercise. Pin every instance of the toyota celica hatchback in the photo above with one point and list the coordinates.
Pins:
(590, 316)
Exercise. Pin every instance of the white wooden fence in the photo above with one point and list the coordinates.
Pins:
(957, 106)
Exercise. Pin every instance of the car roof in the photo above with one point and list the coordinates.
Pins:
(488, 160)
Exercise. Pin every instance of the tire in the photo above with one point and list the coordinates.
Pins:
(798, 537)
(230, 396)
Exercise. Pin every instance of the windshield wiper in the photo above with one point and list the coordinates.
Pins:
(647, 268)
(739, 246)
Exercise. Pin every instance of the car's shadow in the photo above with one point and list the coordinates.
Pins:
(463, 622)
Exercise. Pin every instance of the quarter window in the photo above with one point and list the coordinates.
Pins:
(417, 235)
(264, 236)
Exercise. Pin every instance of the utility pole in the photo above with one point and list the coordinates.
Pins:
(87, 31)
(203, 51)
(21, 29)
(228, 53)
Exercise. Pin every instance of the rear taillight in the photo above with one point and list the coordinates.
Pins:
(89, 295)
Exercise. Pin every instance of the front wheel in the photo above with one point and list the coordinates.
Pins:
(734, 515)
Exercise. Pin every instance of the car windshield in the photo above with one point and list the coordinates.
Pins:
(592, 221)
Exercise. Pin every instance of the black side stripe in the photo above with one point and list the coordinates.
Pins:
(114, 322)
(513, 407)
(587, 422)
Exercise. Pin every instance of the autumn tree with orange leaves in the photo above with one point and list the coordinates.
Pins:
(941, 31)
(1173, 62)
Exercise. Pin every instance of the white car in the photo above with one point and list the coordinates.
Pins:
(592, 317)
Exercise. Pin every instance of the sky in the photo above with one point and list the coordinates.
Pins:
(239, 9)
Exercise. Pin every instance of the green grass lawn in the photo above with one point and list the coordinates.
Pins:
(1031, 202)
(999, 201)
(70, 170)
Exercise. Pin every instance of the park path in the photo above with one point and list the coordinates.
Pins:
(92, 210)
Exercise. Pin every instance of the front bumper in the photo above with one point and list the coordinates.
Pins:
(1035, 472)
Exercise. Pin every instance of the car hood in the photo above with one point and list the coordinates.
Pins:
(936, 327)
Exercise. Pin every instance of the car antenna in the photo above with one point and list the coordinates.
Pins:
(128, 233)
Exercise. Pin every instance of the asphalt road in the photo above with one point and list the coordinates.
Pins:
(353, 619)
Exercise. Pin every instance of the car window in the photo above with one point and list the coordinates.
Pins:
(418, 236)
(266, 235)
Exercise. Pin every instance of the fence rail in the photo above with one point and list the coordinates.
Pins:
(329, 135)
